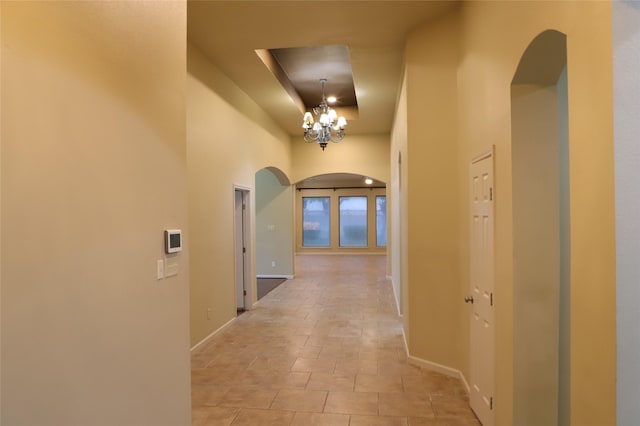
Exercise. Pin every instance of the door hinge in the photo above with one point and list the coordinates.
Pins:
(490, 194)
(244, 206)
(244, 292)
(491, 299)
(244, 250)
(491, 403)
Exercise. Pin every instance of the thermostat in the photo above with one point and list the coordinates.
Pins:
(173, 240)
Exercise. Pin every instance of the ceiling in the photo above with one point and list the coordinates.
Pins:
(301, 66)
(230, 32)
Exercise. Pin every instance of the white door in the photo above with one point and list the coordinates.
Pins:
(240, 249)
(481, 298)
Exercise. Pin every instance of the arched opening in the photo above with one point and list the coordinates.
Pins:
(341, 213)
(279, 174)
(541, 243)
(273, 229)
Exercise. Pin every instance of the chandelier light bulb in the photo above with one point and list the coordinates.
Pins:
(308, 118)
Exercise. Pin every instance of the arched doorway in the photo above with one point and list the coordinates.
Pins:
(541, 243)
(274, 229)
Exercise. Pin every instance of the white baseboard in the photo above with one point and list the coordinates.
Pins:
(393, 290)
(439, 368)
(464, 382)
(203, 341)
(289, 277)
(339, 253)
(434, 366)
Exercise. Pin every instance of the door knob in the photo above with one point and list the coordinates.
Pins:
(468, 299)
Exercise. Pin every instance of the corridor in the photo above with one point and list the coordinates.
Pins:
(325, 348)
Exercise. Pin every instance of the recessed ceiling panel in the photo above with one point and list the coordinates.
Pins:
(305, 66)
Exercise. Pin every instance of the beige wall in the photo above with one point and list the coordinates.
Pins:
(487, 67)
(274, 226)
(437, 327)
(445, 132)
(366, 155)
(92, 147)
(94, 169)
(228, 140)
(397, 202)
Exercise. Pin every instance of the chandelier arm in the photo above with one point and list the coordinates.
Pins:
(327, 128)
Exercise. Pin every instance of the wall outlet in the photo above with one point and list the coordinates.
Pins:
(273, 263)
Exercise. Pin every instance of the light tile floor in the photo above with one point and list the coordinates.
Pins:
(325, 348)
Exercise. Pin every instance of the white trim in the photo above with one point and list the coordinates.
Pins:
(239, 187)
(486, 154)
(203, 341)
(406, 345)
(248, 244)
(439, 368)
(346, 252)
(464, 382)
(434, 366)
(393, 290)
(288, 277)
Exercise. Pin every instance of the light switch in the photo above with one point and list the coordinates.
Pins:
(160, 269)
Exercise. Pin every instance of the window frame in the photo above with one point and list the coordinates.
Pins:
(335, 248)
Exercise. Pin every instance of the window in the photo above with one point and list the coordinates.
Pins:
(316, 222)
(353, 221)
(341, 220)
(381, 221)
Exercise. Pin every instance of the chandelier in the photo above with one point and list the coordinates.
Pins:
(327, 126)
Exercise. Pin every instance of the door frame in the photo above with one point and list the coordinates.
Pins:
(247, 240)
